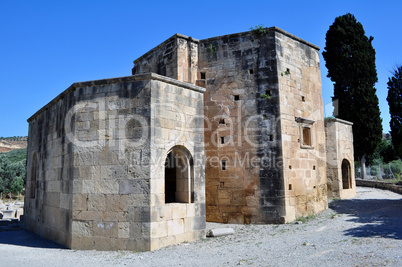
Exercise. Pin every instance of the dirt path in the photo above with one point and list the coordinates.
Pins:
(364, 231)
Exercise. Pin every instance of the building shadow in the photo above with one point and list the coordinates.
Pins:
(26, 239)
(378, 217)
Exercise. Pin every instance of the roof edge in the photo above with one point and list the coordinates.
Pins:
(139, 77)
(338, 120)
(177, 35)
(274, 28)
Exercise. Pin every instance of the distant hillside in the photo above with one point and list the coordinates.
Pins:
(13, 143)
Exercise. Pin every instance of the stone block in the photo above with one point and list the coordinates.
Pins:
(85, 243)
(66, 201)
(190, 210)
(198, 223)
(105, 229)
(110, 216)
(139, 244)
(139, 214)
(124, 230)
(166, 241)
(80, 202)
(81, 229)
(116, 203)
(134, 187)
(164, 212)
(175, 227)
(108, 187)
(114, 172)
(96, 202)
(178, 211)
(87, 215)
(159, 229)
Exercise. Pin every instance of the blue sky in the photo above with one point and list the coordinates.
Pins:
(48, 45)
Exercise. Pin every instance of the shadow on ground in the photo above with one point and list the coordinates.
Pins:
(26, 239)
(379, 217)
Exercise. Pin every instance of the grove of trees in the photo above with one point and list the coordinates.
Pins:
(13, 171)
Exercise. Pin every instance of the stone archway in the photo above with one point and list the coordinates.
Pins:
(179, 176)
(346, 175)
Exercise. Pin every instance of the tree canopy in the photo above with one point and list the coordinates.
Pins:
(13, 171)
(350, 60)
(394, 99)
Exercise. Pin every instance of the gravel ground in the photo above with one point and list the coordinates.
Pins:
(364, 231)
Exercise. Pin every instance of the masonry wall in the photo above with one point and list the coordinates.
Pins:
(176, 58)
(242, 89)
(339, 138)
(177, 122)
(104, 197)
(258, 87)
(301, 107)
(49, 186)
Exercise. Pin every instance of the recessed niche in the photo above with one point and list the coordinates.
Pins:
(290, 167)
(222, 140)
(303, 99)
(250, 71)
(236, 97)
(306, 136)
(222, 121)
(271, 137)
(290, 186)
(222, 184)
(223, 163)
(268, 92)
(313, 167)
(203, 75)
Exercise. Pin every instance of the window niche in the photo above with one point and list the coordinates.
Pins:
(305, 126)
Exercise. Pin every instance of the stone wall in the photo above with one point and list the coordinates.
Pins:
(302, 126)
(100, 149)
(49, 184)
(258, 87)
(397, 188)
(241, 81)
(340, 158)
(176, 58)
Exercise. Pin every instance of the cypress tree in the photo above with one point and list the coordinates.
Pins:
(350, 60)
(394, 99)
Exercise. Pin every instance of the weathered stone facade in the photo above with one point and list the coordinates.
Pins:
(227, 129)
(340, 159)
(262, 90)
(97, 154)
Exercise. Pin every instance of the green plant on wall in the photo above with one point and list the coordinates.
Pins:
(258, 30)
(287, 72)
(265, 96)
(211, 49)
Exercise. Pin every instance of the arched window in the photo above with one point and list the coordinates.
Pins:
(346, 179)
(33, 176)
(179, 175)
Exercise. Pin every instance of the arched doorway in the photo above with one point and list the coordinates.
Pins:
(179, 176)
(346, 179)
